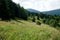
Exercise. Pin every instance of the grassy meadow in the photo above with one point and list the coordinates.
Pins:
(27, 30)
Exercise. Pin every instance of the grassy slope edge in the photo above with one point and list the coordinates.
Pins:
(26, 30)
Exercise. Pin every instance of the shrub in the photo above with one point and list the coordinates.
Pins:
(33, 20)
(44, 21)
(38, 23)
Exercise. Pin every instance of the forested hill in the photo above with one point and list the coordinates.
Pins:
(10, 10)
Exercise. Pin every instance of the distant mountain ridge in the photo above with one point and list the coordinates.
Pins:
(33, 10)
(53, 12)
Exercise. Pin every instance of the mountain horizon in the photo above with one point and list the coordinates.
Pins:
(33, 10)
(51, 12)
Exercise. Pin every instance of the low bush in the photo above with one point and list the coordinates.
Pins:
(38, 23)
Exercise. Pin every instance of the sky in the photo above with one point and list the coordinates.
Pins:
(41, 5)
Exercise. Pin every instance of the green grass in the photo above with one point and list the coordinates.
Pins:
(27, 30)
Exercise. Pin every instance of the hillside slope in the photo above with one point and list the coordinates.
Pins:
(26, 30)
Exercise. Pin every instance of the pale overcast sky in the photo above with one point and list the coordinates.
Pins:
(41, 5)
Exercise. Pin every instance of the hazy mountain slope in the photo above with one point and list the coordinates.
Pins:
(53, 12)
(33, 10)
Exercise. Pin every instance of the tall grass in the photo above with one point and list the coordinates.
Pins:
(27, 31)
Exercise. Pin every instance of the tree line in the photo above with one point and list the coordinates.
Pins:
(52, 20)
(10, 10)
